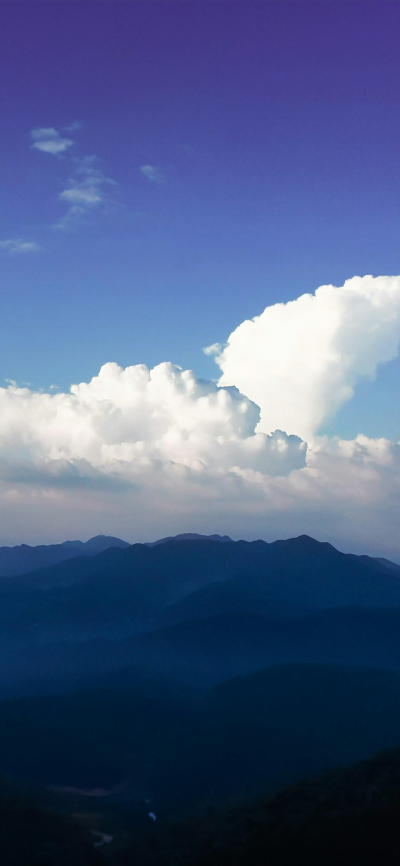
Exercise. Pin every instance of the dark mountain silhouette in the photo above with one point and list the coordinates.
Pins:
(350, 816)
(192, 672)
(247, 735)
(23, 559)
(122, 590)
(33, 836)
(189, 536)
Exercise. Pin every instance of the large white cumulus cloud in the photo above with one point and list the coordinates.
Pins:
(144, 453)
(124, 422)
(301, 360)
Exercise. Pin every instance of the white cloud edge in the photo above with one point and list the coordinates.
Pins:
(300, 361)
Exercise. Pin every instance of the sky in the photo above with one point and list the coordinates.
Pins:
(177, 176)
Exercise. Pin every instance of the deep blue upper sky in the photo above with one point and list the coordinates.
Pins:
(275, 129)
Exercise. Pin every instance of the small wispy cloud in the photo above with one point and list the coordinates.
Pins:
(152, 173)
(72, 127)
(14, 246)
(49, 140)
(86, 190)
(215, 349)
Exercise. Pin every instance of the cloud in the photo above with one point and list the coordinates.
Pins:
(65, 474)
(301, 360)
(152, 173)
(142, 453)
(15, 246)
(215, 349)
(126, 420)
(87, 187)
(185, 455)
(49, 140)
(86, 190)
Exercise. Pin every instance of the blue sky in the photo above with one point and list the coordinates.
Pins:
(276, 129)
(271, 130)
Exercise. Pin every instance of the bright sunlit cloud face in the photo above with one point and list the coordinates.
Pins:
(301, 360)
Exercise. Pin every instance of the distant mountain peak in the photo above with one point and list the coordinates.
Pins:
(22, 558)
(189, 536)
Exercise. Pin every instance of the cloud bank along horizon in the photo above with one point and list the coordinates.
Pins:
(142, 452)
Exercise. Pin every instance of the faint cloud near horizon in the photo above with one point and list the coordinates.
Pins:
(152, 173)
(14, 246)
(49, 140)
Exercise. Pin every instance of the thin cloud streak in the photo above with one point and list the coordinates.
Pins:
(15, 246)
(152, 173)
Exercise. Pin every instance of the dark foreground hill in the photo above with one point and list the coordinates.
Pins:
(31, 836)
(180, 750)
(350, 817)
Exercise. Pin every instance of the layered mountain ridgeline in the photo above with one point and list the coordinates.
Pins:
(205, 652)
(197, 610)
(140, 587)
(351, 817)
(23, 558)
(188, 673)
(153, 740)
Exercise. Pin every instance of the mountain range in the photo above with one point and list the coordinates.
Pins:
(197, 608)
(23, 558)
(191, 673)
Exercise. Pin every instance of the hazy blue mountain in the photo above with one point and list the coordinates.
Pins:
(203, 652)
(122, 590)
(189, 536)
(218, 647)
(23, 559)
(387, 563)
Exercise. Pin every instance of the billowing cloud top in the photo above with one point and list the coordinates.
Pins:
(124, 420)
(301, 360)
